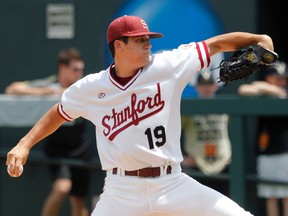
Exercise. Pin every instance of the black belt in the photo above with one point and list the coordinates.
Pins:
(145, 172)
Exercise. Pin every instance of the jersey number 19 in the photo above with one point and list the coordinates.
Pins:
(159, 134)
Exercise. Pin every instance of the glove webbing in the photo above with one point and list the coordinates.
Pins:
(236, 71)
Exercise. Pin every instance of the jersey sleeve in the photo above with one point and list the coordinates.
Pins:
(188, 59)
(72, 103)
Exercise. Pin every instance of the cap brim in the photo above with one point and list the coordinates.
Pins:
(150, 34)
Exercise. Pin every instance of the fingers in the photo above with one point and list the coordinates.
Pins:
(11, 160)
(15, 171)
(14, 165)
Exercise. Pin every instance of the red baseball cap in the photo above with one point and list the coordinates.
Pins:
(129, 26)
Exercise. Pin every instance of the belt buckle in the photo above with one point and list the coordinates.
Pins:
(138, 174)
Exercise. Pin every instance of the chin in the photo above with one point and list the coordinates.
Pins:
(145, 62)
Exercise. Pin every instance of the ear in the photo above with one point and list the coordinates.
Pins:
(118, 45)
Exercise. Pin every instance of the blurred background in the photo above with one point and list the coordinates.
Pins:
(32, 33)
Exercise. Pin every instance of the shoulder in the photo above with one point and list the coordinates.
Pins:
(172, 54)
(180, 48)
(89, 83)
(94, 77)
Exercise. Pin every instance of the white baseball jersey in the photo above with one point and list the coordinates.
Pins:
(137, 125)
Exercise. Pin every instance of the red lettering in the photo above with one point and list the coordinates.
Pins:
(106, 132)
(131, 115)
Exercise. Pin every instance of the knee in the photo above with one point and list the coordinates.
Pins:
(62, 187)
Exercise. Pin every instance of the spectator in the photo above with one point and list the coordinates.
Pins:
(67, 142)
(70, 69)
(272, 148)
(206, 144)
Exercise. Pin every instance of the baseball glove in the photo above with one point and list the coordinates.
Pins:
(245, 62)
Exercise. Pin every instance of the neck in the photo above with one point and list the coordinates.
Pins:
(125, 71)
